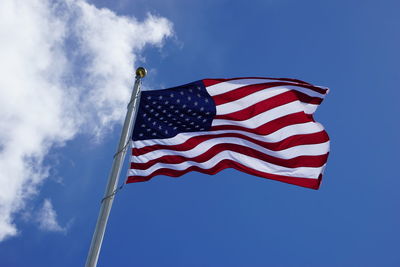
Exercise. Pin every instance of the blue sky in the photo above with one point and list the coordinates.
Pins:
(234, 219)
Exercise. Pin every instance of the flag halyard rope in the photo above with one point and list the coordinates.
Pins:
(122, 185)
(116, 154)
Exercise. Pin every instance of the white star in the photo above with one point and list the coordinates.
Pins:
(181, 92)
(149, 119)
(175, 128)
(166, 132)
(189, 110)
(143, 125)
(194, 113)
(172, 106)
(166, 102)
(190, 90)
(169, 115)
(148, 130)
(201, 129)
(161, 118)
(154, 102)
(144, 115)
(189, 98)
(154, 123)
(156, 114)
(198, 88)
(149, 97)
(204, 120)
(198, 95)
(171, 95)
(195, 103)
(154, 134)
(169, 124)
(159, 127)
(201, 109)
(197, 126)
(181, 115)
(178, 101)
(207, 113)
(140, 134)
(206, 100)
(184, 106)
(146, 106)
(199, 117)
(160, 97)
(187, 119)
(158, 106)
(151, 110)
(192, 123)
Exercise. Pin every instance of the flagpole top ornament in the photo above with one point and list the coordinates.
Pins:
(141, 72)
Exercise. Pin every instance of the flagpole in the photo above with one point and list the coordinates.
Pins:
(107, 201)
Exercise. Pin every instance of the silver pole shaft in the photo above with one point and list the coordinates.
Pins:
(107, 202)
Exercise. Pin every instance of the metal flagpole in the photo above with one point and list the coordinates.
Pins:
(107, 201)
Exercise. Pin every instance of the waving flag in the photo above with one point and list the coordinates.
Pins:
(261, 126)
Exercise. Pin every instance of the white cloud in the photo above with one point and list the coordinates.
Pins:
(47, 218)
(66, 68)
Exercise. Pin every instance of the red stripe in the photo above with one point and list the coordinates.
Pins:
(250, 89)
(295, 140)
(265, 105)
(269, 127)
(210, 82)
(304, 182)
(300, 161)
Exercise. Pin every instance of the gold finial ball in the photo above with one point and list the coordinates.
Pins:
(141, 72)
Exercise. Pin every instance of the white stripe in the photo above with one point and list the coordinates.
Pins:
(289, 153)
(310, 108)
(230, 85)
(279, 135)
(264, 117)
(254, 98)
(250, 162)
(227, 86)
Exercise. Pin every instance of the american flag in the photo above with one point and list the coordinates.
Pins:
(261, 126)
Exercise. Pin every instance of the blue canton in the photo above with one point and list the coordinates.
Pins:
(166, 113)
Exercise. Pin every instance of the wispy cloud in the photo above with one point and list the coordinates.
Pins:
(66, 68)
(47, 218)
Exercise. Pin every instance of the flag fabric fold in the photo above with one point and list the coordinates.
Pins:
(261, 126)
